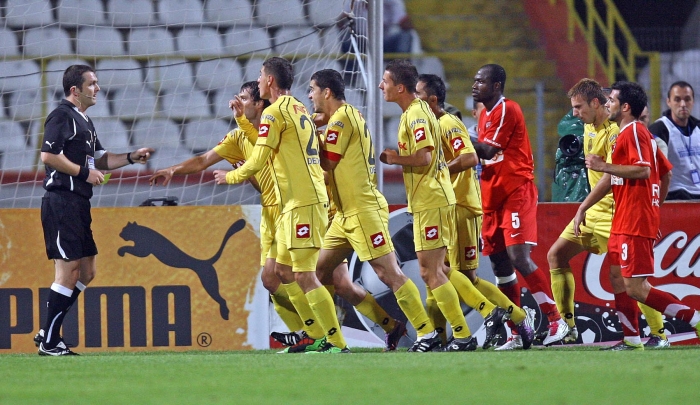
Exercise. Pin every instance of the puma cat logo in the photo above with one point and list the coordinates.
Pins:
(147, 242)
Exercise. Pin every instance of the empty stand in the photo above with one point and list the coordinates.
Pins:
(112, 134)
(81, 12)
(252, 69)
(324, 12)
(217, 73)
(297, 41)
(99, 41)
(8, 43)
(54, 73)
(146, 41)
(185, 104)
(202, 135)
(134, 103)
(172, 75)
(46, 41)
(221, 99)
(179, 12)
(30, 104)
(228, 12)
(25, 14)
(19, 75)
(119, 73)
(280, 12)
(198, 41)
(130, 13)
(245, 41)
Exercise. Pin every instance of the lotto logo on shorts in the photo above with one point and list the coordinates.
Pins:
(419, 134)
(378, 240)
(332, 137)
(470, 252)
(263, 130)
(457, 144)
(303, 230)
(431, 233)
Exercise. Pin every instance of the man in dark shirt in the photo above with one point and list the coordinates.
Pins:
(74, 159)
(681, 133)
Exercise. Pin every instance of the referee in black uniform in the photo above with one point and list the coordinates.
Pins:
(74, 159)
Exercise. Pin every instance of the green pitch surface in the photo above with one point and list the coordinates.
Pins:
(538, 376)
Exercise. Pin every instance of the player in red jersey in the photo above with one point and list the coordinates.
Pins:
(509, 198)
(640, 176)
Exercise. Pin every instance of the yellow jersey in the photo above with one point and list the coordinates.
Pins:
(353, 182)
(287, 128)
(455, 142)
(427, 187)
(600, 141)
(236, 147)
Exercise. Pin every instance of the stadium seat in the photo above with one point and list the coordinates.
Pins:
(430, 65)
(185, 104)
(213, 74)
(324, 13)
(244, 41)
(391, 109)
(156, 133)
(14, 136)
(54, 72)
(149, 41)
(200, 41)
(252, 69)
(202, 135)
(170, 75)
(99, 41)
(228, 12)
(27, 104)
(8, 43)
(297, 41)
(112, 134)
(391, 130)
(180, 12)
(301, 92)
(25, 14)
(118, 73)
(130, 104)
(221, 99)
(19, 75)
(81, 12)
(304, 68)
(47, 41)
(130, 13)
(280, 12)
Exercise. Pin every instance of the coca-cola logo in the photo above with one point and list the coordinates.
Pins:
(670, 273)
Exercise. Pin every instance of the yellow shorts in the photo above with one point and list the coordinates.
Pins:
(434, 228)
(464, 254)
(594, 235)
(269, 217)
(300, 232)
(367, 233)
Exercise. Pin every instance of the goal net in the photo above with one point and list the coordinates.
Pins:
(166, 70)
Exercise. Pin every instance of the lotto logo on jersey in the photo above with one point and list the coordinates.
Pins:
(470, 253)
(457, 144)
(263, 130)
(378, 240)
(303, 231)
(332, 137)
(431, 233)
(419, 134)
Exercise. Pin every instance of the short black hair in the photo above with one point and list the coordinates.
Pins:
(330, 79)
(632, 94)
(497, 74)
(282, 70)
(254, 91)
(682, 84)
(435, 87)
(73, 76)
(403, 72)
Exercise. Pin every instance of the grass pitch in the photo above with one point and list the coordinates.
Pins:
(565, 375)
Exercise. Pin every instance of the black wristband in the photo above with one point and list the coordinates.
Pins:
(83, 174)
(128, 158)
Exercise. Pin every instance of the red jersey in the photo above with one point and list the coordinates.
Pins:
(504, 128)
(637, 201)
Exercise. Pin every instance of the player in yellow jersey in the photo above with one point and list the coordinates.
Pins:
(589, 230)
(287, 136)
(236, 147)
(361, 221)
(431, 200)
(462, 160)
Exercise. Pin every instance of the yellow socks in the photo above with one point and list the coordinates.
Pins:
(322, 305)
(370, 308)
(495, 295)
(448, 301)
(654, 319)
(469, 294)
(563, 287)
(435, 315)
(285, 309)
(301, 304)
(408, 298)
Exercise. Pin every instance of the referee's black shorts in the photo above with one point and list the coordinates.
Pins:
(66, 219)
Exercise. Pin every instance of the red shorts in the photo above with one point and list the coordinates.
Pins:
(634, 255)
(515, 223)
